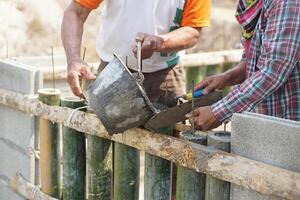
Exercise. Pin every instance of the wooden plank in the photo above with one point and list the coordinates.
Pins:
(258, 176)
(24, 188)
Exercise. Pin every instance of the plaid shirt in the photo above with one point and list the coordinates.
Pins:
(272, 85)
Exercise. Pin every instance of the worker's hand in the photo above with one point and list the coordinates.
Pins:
(204, 119)
(212, 83)
(150, 44)
(77, 70)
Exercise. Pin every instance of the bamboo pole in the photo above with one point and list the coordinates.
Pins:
(99, 168)
(190, 184)
(217, 189)
(126, 172)
(19, 185)
(73, 156)
(212, 58)
(99, 158)
(258, 176)
(157, 178)
(49, 146)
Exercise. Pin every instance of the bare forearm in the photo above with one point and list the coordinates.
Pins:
(72, 29)
(235, 75)
(180, 39)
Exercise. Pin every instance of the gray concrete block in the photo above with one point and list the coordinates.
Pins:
(18, 130)
(268, 139)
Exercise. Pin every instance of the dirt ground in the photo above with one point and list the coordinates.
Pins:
(30, 28)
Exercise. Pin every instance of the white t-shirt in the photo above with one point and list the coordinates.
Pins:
(121, 20)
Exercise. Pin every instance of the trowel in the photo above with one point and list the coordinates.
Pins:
(173, 115)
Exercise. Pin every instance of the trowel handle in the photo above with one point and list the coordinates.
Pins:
(139, 55)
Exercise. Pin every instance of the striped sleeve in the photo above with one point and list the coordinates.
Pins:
(196, 13)
(90, 4)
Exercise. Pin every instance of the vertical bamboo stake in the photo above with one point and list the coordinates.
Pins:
(73, 156)
(99, 168)
(190, 184)
(157, 175)
(216, 189)
(126, 172)
(49, 146)
(99, 165)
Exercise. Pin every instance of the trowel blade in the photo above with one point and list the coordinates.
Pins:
(176, 114)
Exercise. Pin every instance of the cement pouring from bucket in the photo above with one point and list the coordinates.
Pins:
(139, 77)
(118, 100)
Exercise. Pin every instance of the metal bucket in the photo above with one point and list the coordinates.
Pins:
(118, 100)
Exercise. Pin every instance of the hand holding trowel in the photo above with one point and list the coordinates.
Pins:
(197, 94)
(175, 114)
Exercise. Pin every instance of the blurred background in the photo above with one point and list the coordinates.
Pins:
(31, 27)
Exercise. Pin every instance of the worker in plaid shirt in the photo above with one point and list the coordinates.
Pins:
(268, 77)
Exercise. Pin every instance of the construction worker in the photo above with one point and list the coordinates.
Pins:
(268, 76)
(165, 28)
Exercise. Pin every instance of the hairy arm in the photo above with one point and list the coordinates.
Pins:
(72, 29)
(234, 76)
(180, 39)
(71, 34)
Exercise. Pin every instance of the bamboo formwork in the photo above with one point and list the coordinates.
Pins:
(190, 184)
(73, 156)
(217, 189)
(49, 146)
(254, 175)
(126, 172)
(157, 177)
(99, 159)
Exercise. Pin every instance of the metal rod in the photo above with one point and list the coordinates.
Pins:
(193, 105)
(53, 72)
(6, 48)
(139, 56)
(84, 51)
(166, 94)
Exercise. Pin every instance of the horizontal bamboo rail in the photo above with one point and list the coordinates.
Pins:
(19, 185)
(188, 60)
(258, 176)
(211, 58)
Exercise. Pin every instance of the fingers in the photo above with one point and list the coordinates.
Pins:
(201, 85)
(77, 70)
(204, 118)
(140, 37)
(87, 73)
(209, 84)
(209, 88)
(196, 113)
(73, 80)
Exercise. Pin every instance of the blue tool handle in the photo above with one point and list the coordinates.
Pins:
(198, 93)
